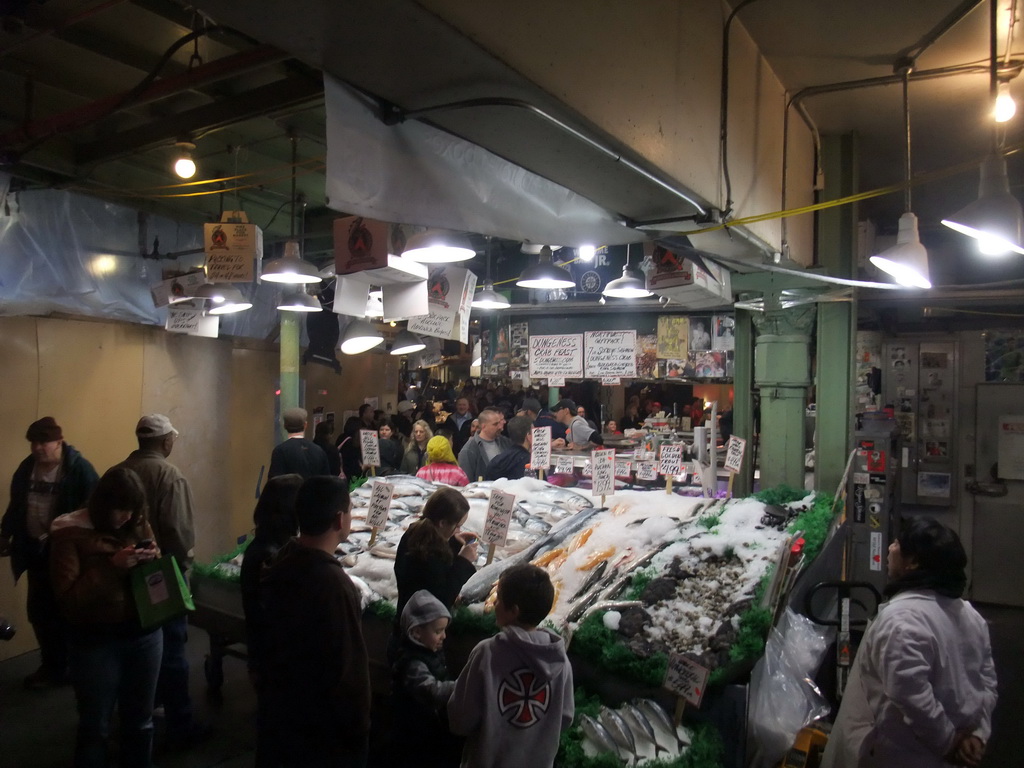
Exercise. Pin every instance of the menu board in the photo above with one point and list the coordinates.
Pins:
(609, 353)
(558, 356)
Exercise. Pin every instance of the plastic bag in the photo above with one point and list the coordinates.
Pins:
(783, 696)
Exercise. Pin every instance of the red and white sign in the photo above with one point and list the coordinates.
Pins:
(734, 451)
(686, 678)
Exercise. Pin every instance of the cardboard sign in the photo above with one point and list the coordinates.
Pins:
(233, 247)
(734, 451)
(623, 468)
(380, 505)
(646, 470)
(449, 297)
(603, 469)
(686, 678)
(499, 516)
(609, 353)
(369, 447)
(563, 465)
(671, 460)
(176, 289)
(540, 453)
(192, 321)
(557, 356)
(361, 244)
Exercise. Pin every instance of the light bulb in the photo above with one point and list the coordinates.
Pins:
(586, 252)
(185, 167)
(1005, 108)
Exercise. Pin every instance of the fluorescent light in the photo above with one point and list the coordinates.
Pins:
(437, 246)
(995, 219)
(907, 261)
(360, 336)
(407, 342)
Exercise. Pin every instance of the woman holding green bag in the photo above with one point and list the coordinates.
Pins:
(113, 659)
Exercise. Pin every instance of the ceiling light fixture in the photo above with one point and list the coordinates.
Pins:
(489, 298)
(360, 336)
(907, 261)
(375, 304)
(184, 162)
(545, 275)
(1005, 107)
(290, 268)
(299, 301)
(586, 252)
(224, 298)
(407, 342)
(436, 246)
(630, 286)
(995, 219)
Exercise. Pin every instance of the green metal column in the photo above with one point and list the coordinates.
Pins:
(289, 364)
(782, 373)
(743, 401)
(837, 321)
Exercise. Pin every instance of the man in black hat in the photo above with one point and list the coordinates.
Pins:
(54, 480)
(579, 434)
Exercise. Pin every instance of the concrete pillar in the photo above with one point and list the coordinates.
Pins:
(743, 402)
(782, 373)
(289, 365)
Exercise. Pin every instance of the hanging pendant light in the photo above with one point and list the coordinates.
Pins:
(436, 246)
(224, 298)
(299, 301)
(630, 286)
(995, 219)
(291, 268)
(907, 261)
(407, 342)
(360, 336)
(489, 298)
(184, 159)
(545, 275)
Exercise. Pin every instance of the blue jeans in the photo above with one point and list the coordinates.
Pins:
(172, 687)
(109, 670)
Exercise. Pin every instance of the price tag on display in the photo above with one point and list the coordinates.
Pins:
(610, 381)
(734, 451)
(556, 381)
(540, 453)
(380, 505)
(646, 470)
(588, 468)
(499, 516)
(603, 463)
(686, 678)
(369, 447)
(623, 468)
(563, 465)
(671, 460)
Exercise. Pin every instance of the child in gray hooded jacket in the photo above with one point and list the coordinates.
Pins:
(515, 695)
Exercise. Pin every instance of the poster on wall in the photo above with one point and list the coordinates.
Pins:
(673, 337)
(647, 356)
(609, 353)
(519, 347)
(724, 336)
(934, 485)
(557, 356)
(709, 364)
(700, 333)
(1004, 356)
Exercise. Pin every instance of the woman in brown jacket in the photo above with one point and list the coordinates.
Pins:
(112, 658)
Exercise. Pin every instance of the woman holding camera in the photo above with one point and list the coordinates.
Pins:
(113, 659)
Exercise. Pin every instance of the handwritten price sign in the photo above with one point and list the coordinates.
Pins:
(686, 678)
(603, 463)
(380, 505)
(563, 465)
(540, 453)
(369, 447)
(671, 459)
(499, 516)
(734, 451)
(622, 468)
(646, 470)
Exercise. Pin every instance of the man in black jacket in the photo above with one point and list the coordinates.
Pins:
(54, 480)
(511, 463)
(460, 424)
(297, 454)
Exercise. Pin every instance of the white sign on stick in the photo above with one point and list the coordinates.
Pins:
(499, 516)
(671, 460)
(370, 447)
(686, 678)
(622, 468)
(646, 470)
(540, 452)
(380, 505)
(563, 465)
(603, 463)
(734, 451)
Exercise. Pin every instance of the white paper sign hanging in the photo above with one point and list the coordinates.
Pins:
(369, 447)
(603, 463)
(499, 516)
(380, 505)
(540, 453)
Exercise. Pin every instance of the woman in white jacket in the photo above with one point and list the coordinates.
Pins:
(923, 685)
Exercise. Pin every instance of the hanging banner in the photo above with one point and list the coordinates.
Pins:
(540, 451)
(558, 356)
(609, 353)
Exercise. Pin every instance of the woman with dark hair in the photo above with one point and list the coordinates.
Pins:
(390, 447)
(349, 448)
(114, 661)
(433, 554)
(923, 685)
(322, 437)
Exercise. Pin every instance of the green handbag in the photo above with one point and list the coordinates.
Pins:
(160, 591)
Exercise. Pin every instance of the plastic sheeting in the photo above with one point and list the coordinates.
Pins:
(413, 173)
(70, 253)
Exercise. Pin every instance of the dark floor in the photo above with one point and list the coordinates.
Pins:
(37, 727)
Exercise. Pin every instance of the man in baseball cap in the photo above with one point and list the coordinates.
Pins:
(172, 517)
(579, 434)
(55, 479)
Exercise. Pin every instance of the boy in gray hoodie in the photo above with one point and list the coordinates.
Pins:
(515, 694)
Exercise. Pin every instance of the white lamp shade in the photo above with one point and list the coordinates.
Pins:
(630, 286)
(290, 268)
(224, 298)
(995, 219)
(545, 275)
(360, 336)
(907, 261)
(488, 298)
(436, 246)
(299, 301)
(407, 342)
